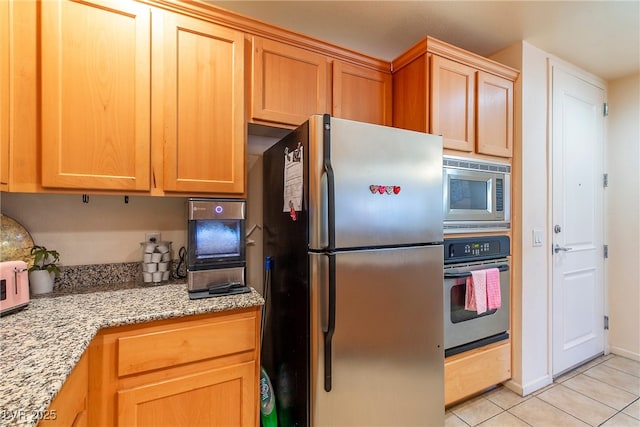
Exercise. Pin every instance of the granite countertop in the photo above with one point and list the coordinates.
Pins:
(41, 344)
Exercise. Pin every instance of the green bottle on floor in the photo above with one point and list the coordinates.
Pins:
(268, 414)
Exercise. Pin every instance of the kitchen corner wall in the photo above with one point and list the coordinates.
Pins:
(531, 350)
(531, 345)
(623, 216)
(103, 231)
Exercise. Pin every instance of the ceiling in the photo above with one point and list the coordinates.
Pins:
(601, 37)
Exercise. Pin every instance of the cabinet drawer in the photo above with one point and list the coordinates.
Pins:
(468, 373)
(186, 343)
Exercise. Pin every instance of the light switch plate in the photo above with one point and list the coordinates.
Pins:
(537, 237)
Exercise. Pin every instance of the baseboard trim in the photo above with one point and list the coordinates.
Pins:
(625, 353)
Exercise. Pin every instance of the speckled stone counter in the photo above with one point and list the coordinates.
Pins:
(41, 344)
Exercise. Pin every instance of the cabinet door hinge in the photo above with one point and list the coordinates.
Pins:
(605, 180)
(606, 251)
(605, 109)
(606, 323)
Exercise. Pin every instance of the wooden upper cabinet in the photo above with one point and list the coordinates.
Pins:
(466, 98)
(96, 75)
(202, 87)
(411, 95)
(495, 115)
(361, 94)
(288, 83)
(453, 103)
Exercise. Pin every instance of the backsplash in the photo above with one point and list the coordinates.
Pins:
(96, 277)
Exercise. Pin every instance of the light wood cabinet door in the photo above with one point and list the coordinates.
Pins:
(96, 94)
(288, 83)
(361, 94)
(203, 128)
(495, 115)
(69, 407)
(218, 397)
(453, 103)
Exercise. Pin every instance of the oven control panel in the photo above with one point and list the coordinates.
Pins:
(476, 249)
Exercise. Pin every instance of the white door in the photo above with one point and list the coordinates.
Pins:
(577, 215)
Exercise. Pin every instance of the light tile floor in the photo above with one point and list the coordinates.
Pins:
(602, 392)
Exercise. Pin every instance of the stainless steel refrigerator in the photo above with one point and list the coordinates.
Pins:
(353, 327)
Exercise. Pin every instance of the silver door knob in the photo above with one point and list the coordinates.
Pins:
(557, 248)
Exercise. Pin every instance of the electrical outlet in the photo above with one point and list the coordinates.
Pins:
(153, 237)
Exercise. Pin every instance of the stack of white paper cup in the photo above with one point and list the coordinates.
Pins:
(156, 262)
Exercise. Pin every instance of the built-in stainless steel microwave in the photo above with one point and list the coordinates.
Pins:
(476, 195)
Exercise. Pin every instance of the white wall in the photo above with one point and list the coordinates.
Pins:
(623, 211)
(532, 284)
(105, 230)
(531, 287)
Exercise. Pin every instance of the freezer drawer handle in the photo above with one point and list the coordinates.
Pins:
(331, 323)
(468, 273)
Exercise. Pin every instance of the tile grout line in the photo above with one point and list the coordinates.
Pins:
(632, 402)
(612, 385)
(560, 409)
(596, 400)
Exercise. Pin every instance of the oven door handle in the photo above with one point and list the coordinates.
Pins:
(503, 267)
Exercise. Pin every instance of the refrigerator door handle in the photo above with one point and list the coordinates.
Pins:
(331, 229)
(331, 192)
(331, 323)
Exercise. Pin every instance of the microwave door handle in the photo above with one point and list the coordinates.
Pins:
(503, 267)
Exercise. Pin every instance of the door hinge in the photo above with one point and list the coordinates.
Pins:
(606, 251)
(606, 323)
(605, 180)
(605, 109)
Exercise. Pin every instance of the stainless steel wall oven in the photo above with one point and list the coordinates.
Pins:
(466, 329)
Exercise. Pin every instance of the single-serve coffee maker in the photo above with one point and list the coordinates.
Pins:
(216, 243)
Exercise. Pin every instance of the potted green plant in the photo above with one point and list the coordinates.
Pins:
(44, 269)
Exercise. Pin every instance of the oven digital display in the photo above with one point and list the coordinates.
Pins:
(478, 248)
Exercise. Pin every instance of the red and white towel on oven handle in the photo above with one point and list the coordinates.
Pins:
(483, 290)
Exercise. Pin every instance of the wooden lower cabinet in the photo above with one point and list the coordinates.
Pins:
(216, 397)
(468, 373)
(194, 371)
(69, 407)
